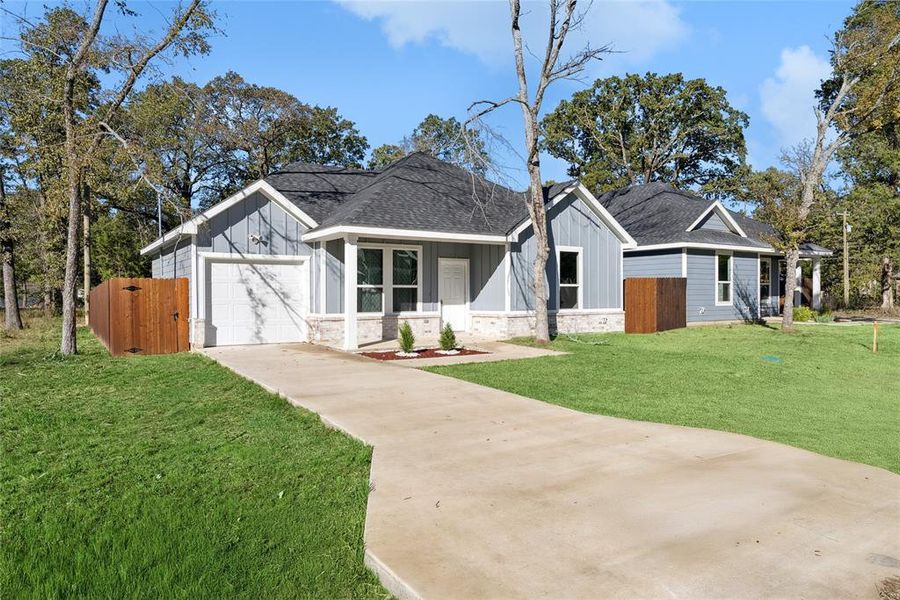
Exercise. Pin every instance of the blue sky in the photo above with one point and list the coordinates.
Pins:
(386, 65)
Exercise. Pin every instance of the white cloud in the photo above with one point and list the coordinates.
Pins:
(788, 98)
(637, 28)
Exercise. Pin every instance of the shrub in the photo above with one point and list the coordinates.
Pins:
(804, 313)
(407, 339)
(448, 338)
(824, 317)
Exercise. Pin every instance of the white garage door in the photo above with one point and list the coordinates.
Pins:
(257, 303)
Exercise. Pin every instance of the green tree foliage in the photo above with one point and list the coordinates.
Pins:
(870, 160)
(630, 130)
(445, 139)
(406, 338)
(448, 338)
(384, 155)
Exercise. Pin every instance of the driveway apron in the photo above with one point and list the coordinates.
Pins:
(479, 493)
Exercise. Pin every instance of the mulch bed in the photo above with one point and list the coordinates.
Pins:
(426, 353)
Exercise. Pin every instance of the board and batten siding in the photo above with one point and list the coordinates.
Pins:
(571, 223)
(229, 233)
(486, 273)
(713, 222)
(653, 263)
(701, 287)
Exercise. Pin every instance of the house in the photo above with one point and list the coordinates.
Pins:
(732, 271)
(425, 241)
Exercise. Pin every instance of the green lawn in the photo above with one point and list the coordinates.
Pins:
(821, 388)
(169, 476)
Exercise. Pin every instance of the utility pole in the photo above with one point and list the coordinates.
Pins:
(845, 229)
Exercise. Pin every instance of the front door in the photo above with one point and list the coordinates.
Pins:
(453, 291)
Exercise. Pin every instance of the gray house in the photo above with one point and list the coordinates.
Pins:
(732, 271)
(426, 242)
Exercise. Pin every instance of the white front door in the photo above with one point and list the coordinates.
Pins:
(453, 291)
(257, 302)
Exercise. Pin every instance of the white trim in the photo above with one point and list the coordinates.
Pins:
(323, 265)
(723, 212)
(507, 278)
(237, 257)
(716, 281)
(467, 319)
(401, 234)
(190, 227)
(588, 198)
(351, 256)
(195, 298)
(387, 277)
(578, 250)
(702, 246)
(684, 262)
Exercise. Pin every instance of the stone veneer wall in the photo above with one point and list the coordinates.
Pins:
(329, 330)
(503, 326)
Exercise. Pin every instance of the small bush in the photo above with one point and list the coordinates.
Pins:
(804, 313)
(824, 317)
(407, 339)
(448, 338)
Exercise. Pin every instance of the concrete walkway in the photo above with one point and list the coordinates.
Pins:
(479, 493)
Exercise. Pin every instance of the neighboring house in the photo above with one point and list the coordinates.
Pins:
(732, 271)
(426, 242)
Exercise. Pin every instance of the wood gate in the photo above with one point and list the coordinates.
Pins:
(140, 315)
(655, 304)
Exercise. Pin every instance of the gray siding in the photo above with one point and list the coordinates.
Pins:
(280, 232)
(174, 261)
(486, 274)
(714, 222)
(701, 287)
(571, 223)
(653, 263)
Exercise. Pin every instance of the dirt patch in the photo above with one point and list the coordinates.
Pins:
(425, 353)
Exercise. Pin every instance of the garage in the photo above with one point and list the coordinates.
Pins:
(257, 302)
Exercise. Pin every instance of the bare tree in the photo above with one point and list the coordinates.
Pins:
(133, 58)
(563, 20)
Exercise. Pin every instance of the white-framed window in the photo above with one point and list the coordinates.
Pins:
(724, 270)
(568, 261)
(370, 280)
(765, 278)
(388, 279)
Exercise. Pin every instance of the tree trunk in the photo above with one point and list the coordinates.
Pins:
(10, 294)
(887, 281)
(86, 256)
(68, 343)
(790, 286)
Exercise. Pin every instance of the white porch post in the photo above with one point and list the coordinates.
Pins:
(817, 283)
(798, 290)
(351, 340)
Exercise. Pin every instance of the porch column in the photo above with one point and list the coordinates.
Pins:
(817, 283)
(798, 288)
(351, 340)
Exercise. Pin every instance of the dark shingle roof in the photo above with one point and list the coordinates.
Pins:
(657, 213)
(417, 192)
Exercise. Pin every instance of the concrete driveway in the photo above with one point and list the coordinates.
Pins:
(479, 493)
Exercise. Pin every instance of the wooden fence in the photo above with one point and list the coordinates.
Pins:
(141, 316)
(655, 304)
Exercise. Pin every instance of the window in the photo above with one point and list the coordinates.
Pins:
(387, 287)
(765, 278)
(569, 279)
(405, 280)
(370, 280)
(723, 279)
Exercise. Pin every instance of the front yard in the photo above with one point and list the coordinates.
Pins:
(169, 476)
(821, 388)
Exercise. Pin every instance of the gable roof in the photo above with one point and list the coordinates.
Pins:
(657, 213)
(416, 196)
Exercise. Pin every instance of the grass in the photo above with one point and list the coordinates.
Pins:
(168, 476)
(820, 388)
